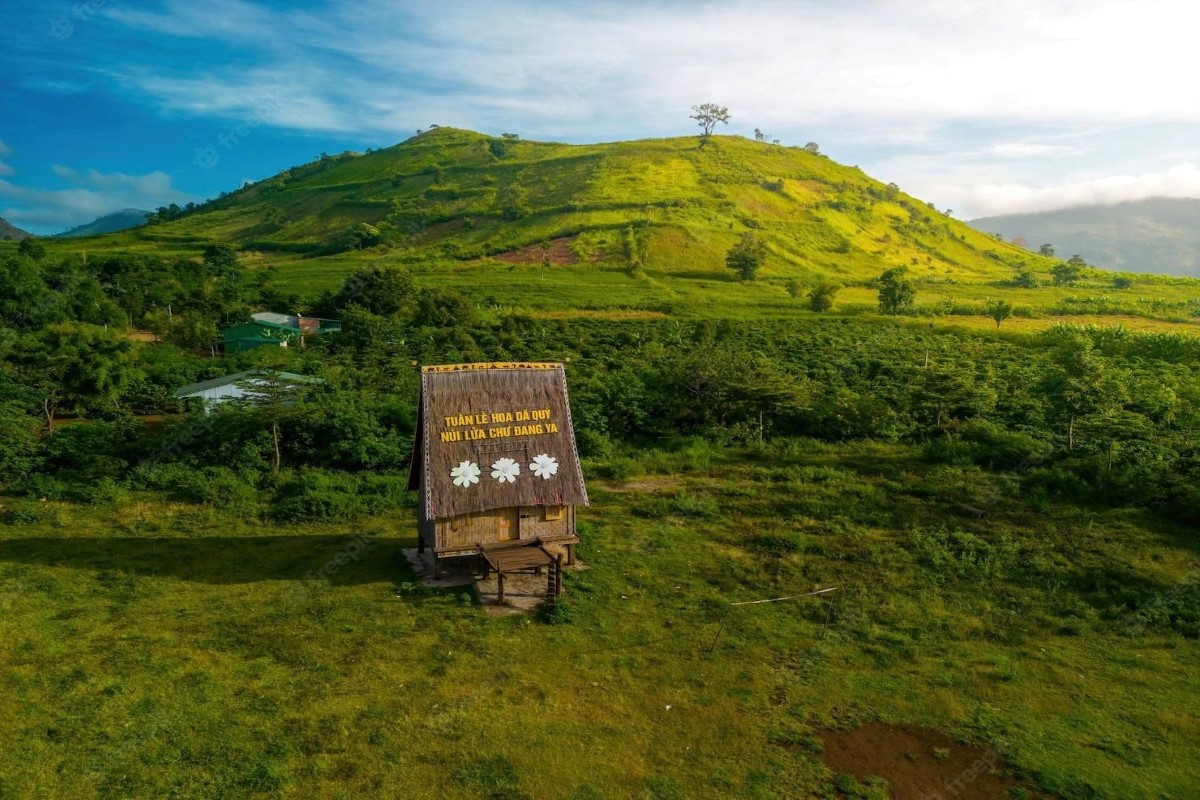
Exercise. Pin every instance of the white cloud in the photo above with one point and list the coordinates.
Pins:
(781, 64)
(1031, 150)
(946, 97)
(990, 199)
(89, 195)
(5, 150)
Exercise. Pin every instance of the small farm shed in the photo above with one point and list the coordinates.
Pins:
(495, 462)
(309, 326)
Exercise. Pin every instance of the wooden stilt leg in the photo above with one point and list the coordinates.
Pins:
(500, 592)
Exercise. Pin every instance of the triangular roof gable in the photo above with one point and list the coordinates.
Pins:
(513, 419)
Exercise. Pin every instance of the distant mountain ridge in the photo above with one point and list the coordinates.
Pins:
(10, 231)
(109, 223)
(1157, 235)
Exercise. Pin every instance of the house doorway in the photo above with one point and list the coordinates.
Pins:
(508, 526)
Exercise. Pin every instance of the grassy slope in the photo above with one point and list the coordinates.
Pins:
(153, 649)
(693, 203)
(672, 206)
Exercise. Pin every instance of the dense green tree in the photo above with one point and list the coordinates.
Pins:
(1068, 273)
(158, 322)
(380, 290)
(821, 297)
(1025, 280)
(1046, 250)
(32, 248)
(363, 235)
(221, 259)
(81, 367)
(999, 310)
(897, 292)
(946, 392)
(192, 331)
(1076, 384)
(746, 256)
(18, 441)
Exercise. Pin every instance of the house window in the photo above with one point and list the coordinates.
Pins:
(552, 513)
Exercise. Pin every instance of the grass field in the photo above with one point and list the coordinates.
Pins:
(159, 649)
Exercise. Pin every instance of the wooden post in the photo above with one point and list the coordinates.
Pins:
(558, 565)
(500, 593)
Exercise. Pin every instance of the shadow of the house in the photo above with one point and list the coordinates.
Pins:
(341, 560)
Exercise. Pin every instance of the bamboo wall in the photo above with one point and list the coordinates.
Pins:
(468, 531)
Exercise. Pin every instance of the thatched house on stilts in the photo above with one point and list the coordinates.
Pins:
(495, 462)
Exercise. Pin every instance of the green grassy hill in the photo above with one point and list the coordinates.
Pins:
(641, 225)
(664, 203)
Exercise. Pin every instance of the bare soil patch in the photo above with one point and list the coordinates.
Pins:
(648, 485)
(559, 253)
(921, 764)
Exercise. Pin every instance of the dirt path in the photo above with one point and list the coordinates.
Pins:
(921, 764)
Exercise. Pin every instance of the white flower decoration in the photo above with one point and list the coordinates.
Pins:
(465, 474)
(544, 466)
(506, 470)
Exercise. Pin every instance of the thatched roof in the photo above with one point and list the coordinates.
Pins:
(493, 436)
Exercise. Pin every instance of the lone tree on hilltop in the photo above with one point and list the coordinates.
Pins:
(1046, 250)
(707, 115)
(896, 291)
(746, 256)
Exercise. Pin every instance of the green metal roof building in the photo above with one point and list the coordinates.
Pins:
(255, 334)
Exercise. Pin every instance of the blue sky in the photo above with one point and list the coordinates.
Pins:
(979, 107)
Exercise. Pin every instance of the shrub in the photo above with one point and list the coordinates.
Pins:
(682, 505)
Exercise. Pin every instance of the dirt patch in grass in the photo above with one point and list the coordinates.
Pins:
(649, 485)
(559, 253)
(921, 764)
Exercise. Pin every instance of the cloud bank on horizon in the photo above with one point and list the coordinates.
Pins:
(981, 107)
